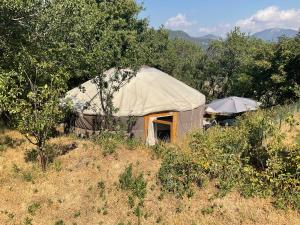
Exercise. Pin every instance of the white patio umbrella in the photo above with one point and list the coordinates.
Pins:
(232, 105)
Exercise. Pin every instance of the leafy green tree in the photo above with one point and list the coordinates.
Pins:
(109, 36)
(181, 59)
(284, 78)
(58, 45)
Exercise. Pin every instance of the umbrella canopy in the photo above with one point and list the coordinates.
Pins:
(232, 105)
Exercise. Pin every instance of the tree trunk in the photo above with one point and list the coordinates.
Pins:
(43, 160)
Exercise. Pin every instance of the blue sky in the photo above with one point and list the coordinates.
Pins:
(200, 17)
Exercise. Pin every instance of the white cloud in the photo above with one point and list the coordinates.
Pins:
(178, 22)
(270, 17)
(220, 29)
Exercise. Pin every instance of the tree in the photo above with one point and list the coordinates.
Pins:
(109, 36)
(38, 113)
(60, 44)
(284, 79)
(181, 59)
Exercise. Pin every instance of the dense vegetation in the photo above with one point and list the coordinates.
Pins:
(250, 157)
(238, 65)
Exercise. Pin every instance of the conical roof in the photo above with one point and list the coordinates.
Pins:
(150, 91)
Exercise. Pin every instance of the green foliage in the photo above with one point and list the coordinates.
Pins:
(57, 165)
(31, 155)
(108, 141)
(51, 55)
(111, 140)
(138, 188)
(238, 65)
(8, 142)
(136, 184)
(27, 176)
(51, 151)
(249, 157)
(101, 188)
(208, 210)
(126, 178)
(77, 214)
(59, 222)
(28, 221)
(178, 172)
(33, 208)
(24, 175)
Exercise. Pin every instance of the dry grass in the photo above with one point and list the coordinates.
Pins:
(68, 192)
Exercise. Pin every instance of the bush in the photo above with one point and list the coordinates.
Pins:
(218, 150)
(138, 188)
(136, 184)
(249, 157)
(178, 172)
(51, 150)
(110, 141)
(33, 208)
(31, 155)
(8, 142)
(280, 179)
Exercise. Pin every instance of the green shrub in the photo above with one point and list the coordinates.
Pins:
(249, 157)
(28, 221)
(136, 184)
(31, 155)
(33, 208)
(138, 188)
(57, 165)
(59, 222)
(178, 172)
(51, 151)
(126, 178)
(8, 142)
(27, 176)
(110, 141)
(101, 188)
(132, 143)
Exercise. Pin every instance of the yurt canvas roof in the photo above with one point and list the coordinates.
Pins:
(151, 90)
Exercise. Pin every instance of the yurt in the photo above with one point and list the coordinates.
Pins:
(162, 106)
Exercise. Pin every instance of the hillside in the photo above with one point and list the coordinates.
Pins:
(201, 41)
(266, 35)
(274, 34)
(82, 187)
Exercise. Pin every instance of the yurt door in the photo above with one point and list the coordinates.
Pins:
(161, 126)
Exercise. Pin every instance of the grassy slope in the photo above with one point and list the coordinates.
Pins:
(71, 194)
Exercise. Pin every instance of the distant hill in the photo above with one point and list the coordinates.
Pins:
(274, 33)
(266, 35)
(202, 41)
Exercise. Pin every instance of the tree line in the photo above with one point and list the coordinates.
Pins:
(238, 65)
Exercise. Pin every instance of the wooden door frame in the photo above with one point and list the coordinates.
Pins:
(173, 124)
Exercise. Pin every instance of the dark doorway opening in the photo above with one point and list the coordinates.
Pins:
(163, 128)
(163, 132)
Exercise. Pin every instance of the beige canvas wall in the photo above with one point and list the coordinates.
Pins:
(187, 121)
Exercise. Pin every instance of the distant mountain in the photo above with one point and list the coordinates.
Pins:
(201, 41)
(274, 33)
